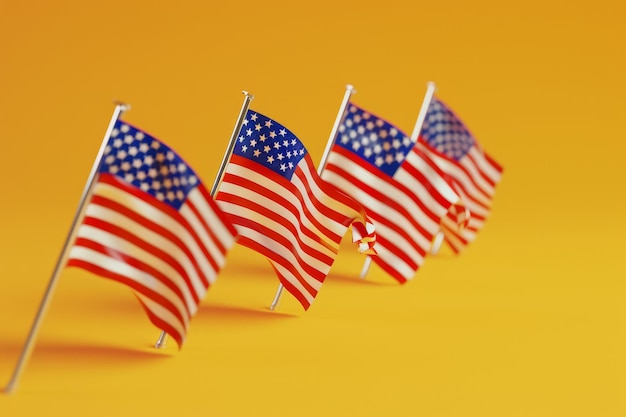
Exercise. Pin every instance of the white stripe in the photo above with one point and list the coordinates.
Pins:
(161, 218)
(276, 208)
(338, 228)
(484, 165)
(377, 183)
(142, 278)
(165, 315)
(437, 181)
(377, 208)
(294, 281)
(268, 242)
(390, 258)
(475, 173)
(277, 188)
(459, 175)
(222, 233)
(110, 240)
(287, 254)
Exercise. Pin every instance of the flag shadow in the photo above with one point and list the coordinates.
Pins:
(354, 279)
(240, 314)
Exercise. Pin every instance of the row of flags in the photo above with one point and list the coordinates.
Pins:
(152, 224)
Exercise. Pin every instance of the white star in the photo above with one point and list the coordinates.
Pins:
(280, 157)
(167, 183)
(152, 173)
(386, 146)
(268, 123)
(253, 143)
(257, 127)
(132, 151)
(144, 186)
(121, 154)
(171, 196)
(156, 185)
(180, 195)
(125, 166)
(139, 135)
(379, 123)
(160, 196)
(377, 149)
(345, 139)
(367, 152)
(245, 121)
(244, 148)
(270, 159)
(262, 138)
(283, 167)
(249, 132)
(254, 117)
(266, 149)
(285, 143)
(288, 154)
(389, 158)
(393, 131)
(399, 157)
(137, 163)
(356, 146)
(182, 167)
(282, 132)
(129, 177)
(369, 125)
(379, 161)
(290, 165)
(396, 143)
(170, 156)
(272, 134)
(160, 157)
(141, 175)
(256, 153)
(155, 144)
(109, 159)
(144, 147)
(192, 180)
(124, 128)
(276, 145)
(241, 139)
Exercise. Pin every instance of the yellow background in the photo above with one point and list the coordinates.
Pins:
(529, 321)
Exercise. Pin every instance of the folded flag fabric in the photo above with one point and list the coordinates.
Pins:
(473, 173)
(282, 209)
(152, 225)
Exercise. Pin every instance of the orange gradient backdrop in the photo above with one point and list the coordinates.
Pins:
(529, 321)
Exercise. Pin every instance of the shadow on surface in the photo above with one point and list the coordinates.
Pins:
(239, 314)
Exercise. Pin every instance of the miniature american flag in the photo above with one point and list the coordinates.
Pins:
(152, 225)
(473, 173)
(404, 192)
(283, 210)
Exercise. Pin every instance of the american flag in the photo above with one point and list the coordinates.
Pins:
(404, 192)
(283, 210)
(473, 173)
(152, 225)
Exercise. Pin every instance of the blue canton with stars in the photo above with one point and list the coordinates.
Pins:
(148, 164)
(373, 139)
(270, 144)
(444, 132)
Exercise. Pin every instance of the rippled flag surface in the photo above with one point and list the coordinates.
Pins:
(473, 173)
(282, 209)
(152, 225)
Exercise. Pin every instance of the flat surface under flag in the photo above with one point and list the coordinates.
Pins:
(473, 173)
(152, 225)
(404, 192)
(283, 210)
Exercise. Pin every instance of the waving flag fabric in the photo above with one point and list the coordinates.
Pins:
(283, 210)
(152, 225)
(404, 192)
(472, 171)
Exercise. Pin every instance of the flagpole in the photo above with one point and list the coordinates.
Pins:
(160, 343)
(344, 103)
(120, 108)
(430, 91)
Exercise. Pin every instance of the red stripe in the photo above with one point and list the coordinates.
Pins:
(280, 239)
(163, 325)
(264, 211)
(132, 261)
(153, 295)
(155, 227)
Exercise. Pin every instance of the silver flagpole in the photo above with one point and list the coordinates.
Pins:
(344, 103)
(430, 91)
(160, 343)
(120, 108)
